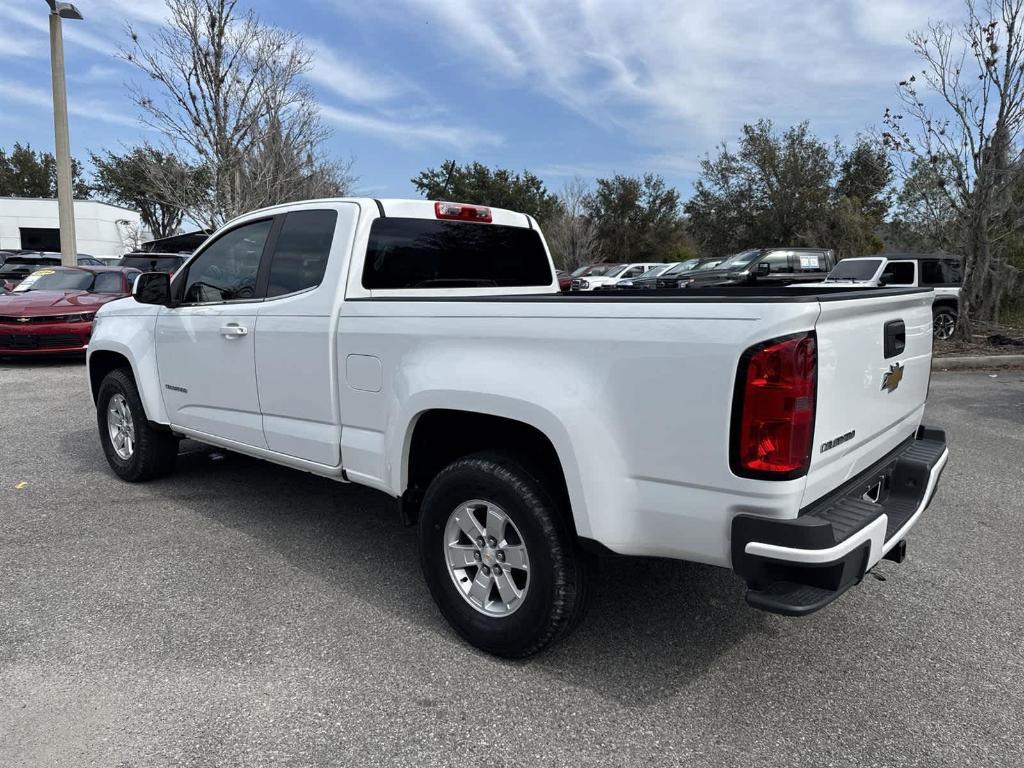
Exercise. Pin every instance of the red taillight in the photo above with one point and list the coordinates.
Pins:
(462, 212)
(773, 408)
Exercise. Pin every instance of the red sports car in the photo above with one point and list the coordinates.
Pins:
(51, 310)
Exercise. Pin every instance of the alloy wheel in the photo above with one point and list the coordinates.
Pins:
(487, 558)
(120, 427)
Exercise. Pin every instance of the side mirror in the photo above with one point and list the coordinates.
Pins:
(153, 288)
(763, 268)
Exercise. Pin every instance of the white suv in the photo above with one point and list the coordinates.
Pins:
(613, 276)
(939, 272)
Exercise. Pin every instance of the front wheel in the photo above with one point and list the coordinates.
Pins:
(943, 323)
(134, 449)
(499, 557)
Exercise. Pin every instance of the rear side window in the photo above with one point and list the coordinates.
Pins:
(424, 253)
(300, 256)
(940, 272)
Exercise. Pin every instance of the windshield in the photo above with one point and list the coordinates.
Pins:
(655, 271)
(50, 280)
(616, 271)
(599, 270)
(854, 269)
(682, 266)
(708, 265)
(740, 260)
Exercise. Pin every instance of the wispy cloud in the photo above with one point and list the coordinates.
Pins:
(348, 79)
(702, 67)
(20, 47)
(74, 32)
(410, 132)
(88, 108)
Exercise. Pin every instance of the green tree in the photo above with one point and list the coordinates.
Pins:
(128, 179)
(476, 183)
(637, 218)
(27, 173)
(923, 219)
(860, 199)
(774, 190)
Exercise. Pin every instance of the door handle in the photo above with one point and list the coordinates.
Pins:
(233, 330)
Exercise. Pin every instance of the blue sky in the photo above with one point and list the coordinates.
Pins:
(560, 88)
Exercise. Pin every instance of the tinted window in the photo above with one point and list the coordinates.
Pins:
(778, 261)
(940, 272)
(931, 272)
(953, 274)
(300, 256)
(108, 282)
(424, 253)
(226, 271)
(898, 273)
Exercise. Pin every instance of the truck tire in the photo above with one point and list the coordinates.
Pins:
(134, 450)
(499, 557)
(943, 322)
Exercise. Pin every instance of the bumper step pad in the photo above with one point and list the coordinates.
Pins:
(797, 589)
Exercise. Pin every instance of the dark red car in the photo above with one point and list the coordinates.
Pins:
(51, 311)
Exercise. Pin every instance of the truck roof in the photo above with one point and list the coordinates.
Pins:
(408, 208)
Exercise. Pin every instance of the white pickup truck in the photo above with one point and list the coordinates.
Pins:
(424, 349)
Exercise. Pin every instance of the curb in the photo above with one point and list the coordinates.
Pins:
(978, 363)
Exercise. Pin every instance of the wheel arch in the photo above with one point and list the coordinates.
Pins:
(436, 436)
(110, 357)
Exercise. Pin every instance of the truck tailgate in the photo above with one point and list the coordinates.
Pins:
(874, 364)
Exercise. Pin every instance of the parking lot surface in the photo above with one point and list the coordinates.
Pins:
(238, 613)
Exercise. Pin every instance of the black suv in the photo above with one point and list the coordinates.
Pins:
(763, 266)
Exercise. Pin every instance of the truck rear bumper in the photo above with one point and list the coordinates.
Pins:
(795, 567)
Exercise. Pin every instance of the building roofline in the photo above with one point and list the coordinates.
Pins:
(77, 200)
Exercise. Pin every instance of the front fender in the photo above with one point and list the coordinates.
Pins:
(132, 337)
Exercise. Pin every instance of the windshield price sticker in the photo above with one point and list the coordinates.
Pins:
(808, 261)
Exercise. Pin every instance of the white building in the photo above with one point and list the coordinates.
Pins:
(101, 229)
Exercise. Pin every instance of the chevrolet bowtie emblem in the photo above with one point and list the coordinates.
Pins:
(22, 319)
(892, 378)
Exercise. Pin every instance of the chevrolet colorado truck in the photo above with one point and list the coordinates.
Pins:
(423, 349)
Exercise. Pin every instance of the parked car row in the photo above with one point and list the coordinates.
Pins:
(786, 266)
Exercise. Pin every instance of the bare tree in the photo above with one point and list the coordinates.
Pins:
(230, 97)
(966, 114)
(571, 234)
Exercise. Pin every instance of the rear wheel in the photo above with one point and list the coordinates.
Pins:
(134, 450)
(499, 557)
(943, 322)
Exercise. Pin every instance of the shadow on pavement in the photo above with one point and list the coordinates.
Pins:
(13, 362)
(653, 625)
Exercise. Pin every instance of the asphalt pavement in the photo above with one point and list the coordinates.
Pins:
(242, 614)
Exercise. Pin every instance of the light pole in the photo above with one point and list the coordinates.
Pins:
(62, 145)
